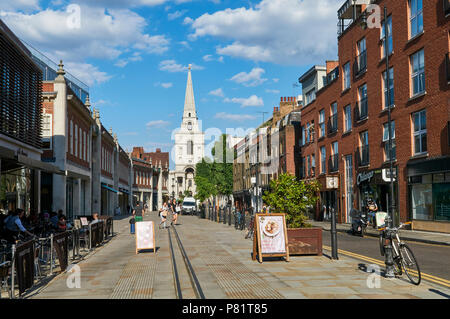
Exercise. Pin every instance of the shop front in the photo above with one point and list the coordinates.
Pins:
(375, 184)
(429, 194)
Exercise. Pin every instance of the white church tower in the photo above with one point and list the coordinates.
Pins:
(189, 146)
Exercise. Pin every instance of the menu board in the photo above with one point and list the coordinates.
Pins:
(145, 236)
(270, 236)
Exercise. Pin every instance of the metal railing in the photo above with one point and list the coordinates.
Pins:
(362, 154)
(333, 124)
(362, 110)
(333, 163)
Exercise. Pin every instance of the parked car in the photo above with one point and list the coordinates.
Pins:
(189, 206)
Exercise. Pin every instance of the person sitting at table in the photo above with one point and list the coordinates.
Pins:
(62, 223)
(95, 218)
(13, 225)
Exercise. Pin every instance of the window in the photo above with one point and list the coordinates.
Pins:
(334, 148)
(334, 160)
(362, 55)
(391, 89)
(347, 75)
(386, 141)
(363, 107)
(310, 96)
(420, 132)
(75, 146)
(313, 164)
(415, 17)
(71, 137)
(322, 123)
(303, 135)
(347, 118)
(333, 118)
(308, 126)
(364, 149)
(323, 156)
(46, 131)
(308, 172)
(418, 72)
(389, 37)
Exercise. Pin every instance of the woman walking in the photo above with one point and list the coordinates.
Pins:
(174, 212)
(163, 215)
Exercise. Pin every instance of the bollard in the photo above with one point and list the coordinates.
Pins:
(13, 271)
(51, 254)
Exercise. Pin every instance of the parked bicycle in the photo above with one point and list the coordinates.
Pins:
(251, 228)
(403, 256)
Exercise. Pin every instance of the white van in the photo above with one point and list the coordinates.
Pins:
(189, 206)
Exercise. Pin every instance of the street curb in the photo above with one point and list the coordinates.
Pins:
(426, 241)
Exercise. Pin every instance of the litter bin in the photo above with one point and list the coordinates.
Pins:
(132, 226)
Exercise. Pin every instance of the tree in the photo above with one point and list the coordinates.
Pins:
(292, 197)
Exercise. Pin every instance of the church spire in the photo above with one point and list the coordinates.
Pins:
(189, 103)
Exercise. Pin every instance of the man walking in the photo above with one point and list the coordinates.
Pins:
(138, 212)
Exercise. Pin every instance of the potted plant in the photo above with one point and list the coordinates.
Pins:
(294, 198)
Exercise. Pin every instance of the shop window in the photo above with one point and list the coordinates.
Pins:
(422, 201)
(441, 196)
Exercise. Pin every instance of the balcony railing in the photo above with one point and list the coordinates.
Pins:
(360, 63)
(361, 110)
(363, 155)
(333, 163)
(446, 7)
(332, 124)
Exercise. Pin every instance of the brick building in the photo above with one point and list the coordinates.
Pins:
(347, 118)
(150, 177)
(267, 152)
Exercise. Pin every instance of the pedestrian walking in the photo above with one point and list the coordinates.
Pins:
(178, 210)
(138, 212)
(163, 215)
(174, 212)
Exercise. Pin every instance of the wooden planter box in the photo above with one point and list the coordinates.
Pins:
(305, 241)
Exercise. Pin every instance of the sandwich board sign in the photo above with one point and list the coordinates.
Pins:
(270, 236)
(145, 236)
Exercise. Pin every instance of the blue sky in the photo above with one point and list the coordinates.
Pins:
(134, 55)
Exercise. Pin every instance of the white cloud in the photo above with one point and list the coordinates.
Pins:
(272, 91)
(173, 66)
(22, 5)
(275, 80)
(175, 15)
(234, 117)
(290, 32)
(87, 73)
(253, 78)
(103, 34)
(157, 123)
(218, 92)
(209, 58)
(167, 85)
(245, 102)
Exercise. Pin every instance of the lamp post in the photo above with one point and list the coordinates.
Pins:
(388, 248)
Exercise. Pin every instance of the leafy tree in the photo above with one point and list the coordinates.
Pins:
(292, 197)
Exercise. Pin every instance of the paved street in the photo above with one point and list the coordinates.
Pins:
(433, 259)
(221, 258)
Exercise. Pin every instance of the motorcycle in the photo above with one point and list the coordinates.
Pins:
(359, 223)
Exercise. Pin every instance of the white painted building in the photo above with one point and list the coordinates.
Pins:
(189, 146)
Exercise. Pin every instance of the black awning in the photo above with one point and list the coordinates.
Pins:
(35, 164)
(428, 166)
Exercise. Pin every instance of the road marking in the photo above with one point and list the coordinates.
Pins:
(425, 276)
(406, 241)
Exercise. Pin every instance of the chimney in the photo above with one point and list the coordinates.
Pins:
(331, 65)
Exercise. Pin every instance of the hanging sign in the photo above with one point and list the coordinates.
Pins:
(270, 236)
(145, 236)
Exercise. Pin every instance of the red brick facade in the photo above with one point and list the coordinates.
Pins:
(435, 101)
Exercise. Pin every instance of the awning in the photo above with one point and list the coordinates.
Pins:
(32, 163)
(109, 188)
(124, 190)
(428, 166)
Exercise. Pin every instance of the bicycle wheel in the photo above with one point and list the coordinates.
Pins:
(410, 265)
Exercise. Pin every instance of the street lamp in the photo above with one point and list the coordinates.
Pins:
(388, 248)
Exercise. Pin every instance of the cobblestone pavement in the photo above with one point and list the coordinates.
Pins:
(222, 260)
